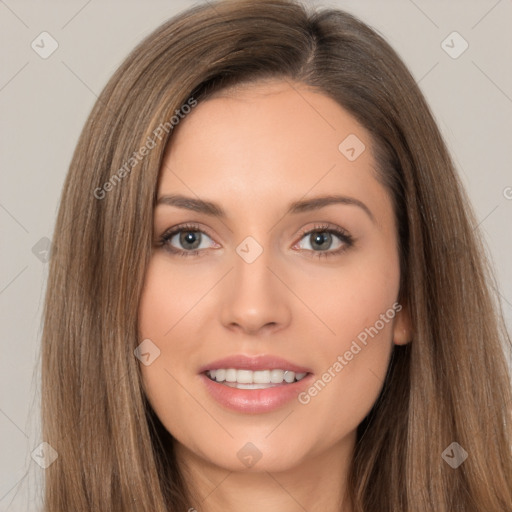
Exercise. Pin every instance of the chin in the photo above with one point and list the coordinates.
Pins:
(253, 454)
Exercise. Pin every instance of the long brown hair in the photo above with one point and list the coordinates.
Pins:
(450, 384)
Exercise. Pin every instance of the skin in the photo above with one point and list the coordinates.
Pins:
(253, 150)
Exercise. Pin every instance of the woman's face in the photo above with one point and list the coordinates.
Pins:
(275, 251)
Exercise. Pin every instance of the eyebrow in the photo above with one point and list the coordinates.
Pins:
(303, 205)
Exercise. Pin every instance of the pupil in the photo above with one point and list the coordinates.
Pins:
(320, 239)
(190, 238)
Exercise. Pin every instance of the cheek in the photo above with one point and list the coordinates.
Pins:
(172, 307)
(170, 317)
(161, 306)
(351, 298)
(167, 297)
(358, 305)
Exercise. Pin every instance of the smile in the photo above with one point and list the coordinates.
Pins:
(258, 379)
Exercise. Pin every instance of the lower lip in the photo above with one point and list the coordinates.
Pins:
(255, 401)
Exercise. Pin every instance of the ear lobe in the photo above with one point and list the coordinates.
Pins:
(402, 327)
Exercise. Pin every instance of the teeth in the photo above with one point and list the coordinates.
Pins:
(289, 376)
(276, 376)
(230, 375)
(261, 377)
(244, 376)
(249, 377)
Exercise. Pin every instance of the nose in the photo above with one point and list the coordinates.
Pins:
(255, 299)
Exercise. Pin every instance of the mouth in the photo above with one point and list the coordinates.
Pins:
(254, 384)
(254, 379)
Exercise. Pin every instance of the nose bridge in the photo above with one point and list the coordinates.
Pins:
(256, 297)
(253, 276)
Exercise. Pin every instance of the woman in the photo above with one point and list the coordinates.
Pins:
(267, 289)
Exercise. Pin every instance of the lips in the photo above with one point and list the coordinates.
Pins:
(254, 363)
(255, 398)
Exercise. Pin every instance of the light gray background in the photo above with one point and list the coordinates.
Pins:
(44, 103)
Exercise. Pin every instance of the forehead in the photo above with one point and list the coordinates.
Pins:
(269, 142)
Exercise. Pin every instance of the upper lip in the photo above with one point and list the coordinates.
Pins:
(258, 362)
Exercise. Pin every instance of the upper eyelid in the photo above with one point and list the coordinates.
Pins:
(186, 227)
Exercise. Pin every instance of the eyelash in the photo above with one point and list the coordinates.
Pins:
(347, 240)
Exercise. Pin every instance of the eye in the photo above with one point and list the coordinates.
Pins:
(186, 240)
(325, 240)
(322, 241)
